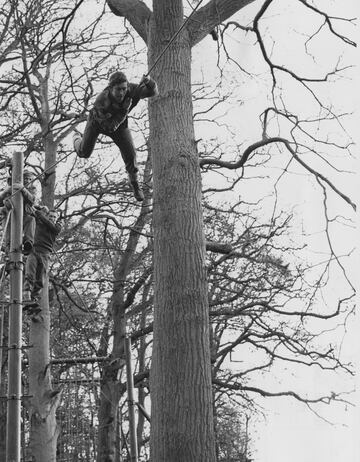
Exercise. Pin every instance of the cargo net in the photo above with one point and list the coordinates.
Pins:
(77, 413)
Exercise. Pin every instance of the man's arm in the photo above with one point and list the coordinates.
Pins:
(55, 228)
(4, 194)
(146, 88)
(29, 197)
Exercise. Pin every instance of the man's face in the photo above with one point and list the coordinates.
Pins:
(28, 179)
(118, 91)
(52, 216)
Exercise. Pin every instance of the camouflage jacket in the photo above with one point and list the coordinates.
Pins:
(110, 115)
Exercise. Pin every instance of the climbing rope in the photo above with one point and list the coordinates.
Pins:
(36, 177)
(151, 68)
(174, 37)
(149, 71)
(45, 170)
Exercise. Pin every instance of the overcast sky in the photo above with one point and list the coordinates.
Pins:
(291, 432)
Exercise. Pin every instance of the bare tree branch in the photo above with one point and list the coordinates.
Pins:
(264, 393)
(253, 147)
(211, 15)
(136, 12)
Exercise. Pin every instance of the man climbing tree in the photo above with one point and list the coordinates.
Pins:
(46, 231)
(109, 116)
(182, 427)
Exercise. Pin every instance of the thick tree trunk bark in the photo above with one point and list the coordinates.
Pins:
(108, 415)
(110, 380)
(182, 428)
(141, 392)
(44, 402)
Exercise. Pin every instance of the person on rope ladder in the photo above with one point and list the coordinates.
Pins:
(109, 116)
(29, 193)
(46, 232)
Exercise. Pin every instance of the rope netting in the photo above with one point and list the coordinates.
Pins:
(77, 413)
(76, 416)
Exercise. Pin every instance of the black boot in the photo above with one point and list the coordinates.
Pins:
(30, 304)
(77, 142)
(138, 194)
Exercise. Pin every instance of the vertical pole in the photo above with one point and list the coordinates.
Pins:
(2, 294)
(131, 402)
(2, 314)
(119, 436)
(13, 425)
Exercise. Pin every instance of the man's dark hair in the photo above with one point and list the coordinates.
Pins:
(117, 77)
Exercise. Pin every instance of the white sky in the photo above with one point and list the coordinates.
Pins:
(291, 433)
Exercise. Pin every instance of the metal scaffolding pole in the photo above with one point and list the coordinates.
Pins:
(13, 427)
(132, 404)
(2, 313)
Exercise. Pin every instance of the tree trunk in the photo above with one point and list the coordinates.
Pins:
(182, 419)
(43, 404)
(44, 401)
(108, 415)
(141, 355)
(182, 428)
(110, 381)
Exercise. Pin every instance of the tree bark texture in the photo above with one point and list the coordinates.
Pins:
(108, 418)
(211, 15)
(182, 427)
(181, 397)
(44, 430)
(43, 404)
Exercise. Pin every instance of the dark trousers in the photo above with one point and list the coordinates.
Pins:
(28, 228)
(121, 137)
(35, 272)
